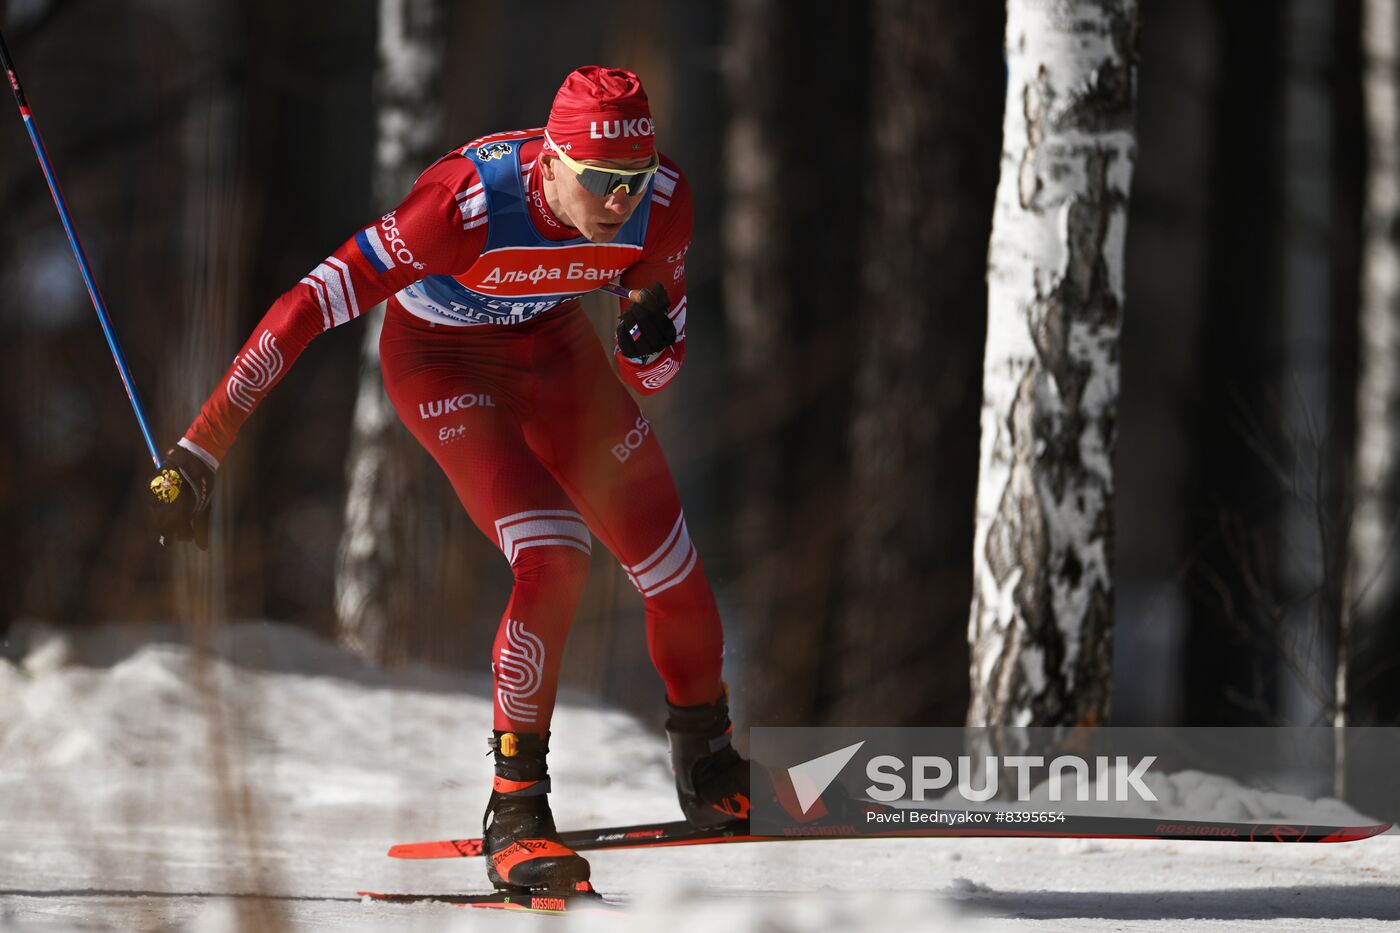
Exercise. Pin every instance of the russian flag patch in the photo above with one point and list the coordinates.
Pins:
(372, 247)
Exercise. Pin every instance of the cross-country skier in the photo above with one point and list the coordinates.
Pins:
(492, 365)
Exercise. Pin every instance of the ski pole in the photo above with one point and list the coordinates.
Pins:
(58, 201)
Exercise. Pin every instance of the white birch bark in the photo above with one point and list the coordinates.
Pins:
(374, 555)
(1373, 567)
(1041, 619)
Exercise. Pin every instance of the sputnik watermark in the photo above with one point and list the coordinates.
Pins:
(1117, 779)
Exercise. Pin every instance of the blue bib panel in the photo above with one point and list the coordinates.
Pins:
(521, 274)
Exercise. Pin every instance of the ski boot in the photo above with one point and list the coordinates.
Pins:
(523, 850)
(712, 780)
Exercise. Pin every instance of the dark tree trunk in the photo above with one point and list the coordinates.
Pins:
(929, 179)
(765, 340)
(1229, 675)
(791, 271)
(758, 318)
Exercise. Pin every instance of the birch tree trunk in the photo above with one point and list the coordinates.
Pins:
(1373, 574)
(1041, 620)
(374, 570)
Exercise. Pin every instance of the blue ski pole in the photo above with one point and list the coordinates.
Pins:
(102, 317)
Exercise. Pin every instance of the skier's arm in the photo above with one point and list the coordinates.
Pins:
(663, 261)
(422, 236)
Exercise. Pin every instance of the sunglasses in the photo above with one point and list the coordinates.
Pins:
(604, 181)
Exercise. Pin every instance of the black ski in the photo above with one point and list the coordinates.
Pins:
(681, 833)
(539, 902)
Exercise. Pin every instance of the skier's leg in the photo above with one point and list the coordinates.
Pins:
(464, 416)
(590, 434)
(515, 502)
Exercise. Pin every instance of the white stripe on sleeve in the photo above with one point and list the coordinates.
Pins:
(320, 292)
(329, 278)
(349, 285)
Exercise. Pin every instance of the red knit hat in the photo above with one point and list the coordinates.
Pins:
(601, 114)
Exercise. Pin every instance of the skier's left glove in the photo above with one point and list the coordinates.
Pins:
(646, 328)
(180, 496)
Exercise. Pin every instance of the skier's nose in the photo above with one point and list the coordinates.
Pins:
(617, 203)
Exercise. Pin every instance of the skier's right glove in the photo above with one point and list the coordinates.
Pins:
(646, 328)
(180, 496)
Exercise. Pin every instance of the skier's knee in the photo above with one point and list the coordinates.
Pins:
(552, 565)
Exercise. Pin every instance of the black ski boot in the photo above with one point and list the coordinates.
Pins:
(522, 846)
(712, 780)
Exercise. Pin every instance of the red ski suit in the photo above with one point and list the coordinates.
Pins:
(492, 365)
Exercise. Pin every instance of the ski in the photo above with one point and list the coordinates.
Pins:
(681, 833)
(643, 835)
(537, 902)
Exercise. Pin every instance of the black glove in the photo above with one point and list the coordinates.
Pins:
(645, 328)
(180, 495)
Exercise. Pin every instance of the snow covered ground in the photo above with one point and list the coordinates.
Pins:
(145, 786)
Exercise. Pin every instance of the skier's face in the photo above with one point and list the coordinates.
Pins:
(598, 218)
